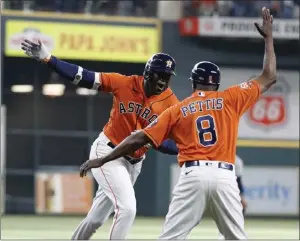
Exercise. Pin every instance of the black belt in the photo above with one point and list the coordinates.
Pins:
(128, 158)
(222, 165)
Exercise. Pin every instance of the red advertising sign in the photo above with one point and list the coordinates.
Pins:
(268, 110)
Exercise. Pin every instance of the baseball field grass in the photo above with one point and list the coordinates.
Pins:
(59, 227)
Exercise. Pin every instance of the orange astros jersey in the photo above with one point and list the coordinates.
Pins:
(131, 109)
(205, 125)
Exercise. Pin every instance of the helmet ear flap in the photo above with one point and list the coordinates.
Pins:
(194, 85)
(148, 74)
(146, 70)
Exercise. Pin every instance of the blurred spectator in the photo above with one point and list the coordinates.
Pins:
(207, 7)
(189, 8)
(287, 9)
(241, 8)
(69, 6)
(224, 7)
(260, 4)
(108, 7)
(275, 8)
(14, 4)
(132, 8)
(297, 9)
(45, 5)
(138, 7)
(245, 8)
(237, 8)
(59, 6)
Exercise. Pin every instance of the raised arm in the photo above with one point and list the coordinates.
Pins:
(75, 74)
(268, 76)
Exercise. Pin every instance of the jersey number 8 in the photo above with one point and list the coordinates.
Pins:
(207, 135)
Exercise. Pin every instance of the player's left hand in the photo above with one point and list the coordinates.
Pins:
(89, 164)
(244, 203)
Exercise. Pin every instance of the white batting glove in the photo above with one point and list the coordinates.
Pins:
(37, 51)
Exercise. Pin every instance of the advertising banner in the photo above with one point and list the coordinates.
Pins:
(63, 193)
(244, 27)
(83, 41)
(237, 27)
(272, 190)
(269, 190)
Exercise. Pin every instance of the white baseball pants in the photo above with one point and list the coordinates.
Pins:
(201, 187)
(115, 193)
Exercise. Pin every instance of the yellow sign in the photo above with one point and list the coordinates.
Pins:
(84, 41)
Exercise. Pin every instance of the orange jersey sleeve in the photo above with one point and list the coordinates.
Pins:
(110, 82)
(242, 96)
(160, 129)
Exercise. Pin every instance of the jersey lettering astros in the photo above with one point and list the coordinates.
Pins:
(132, 109)
(205, 125)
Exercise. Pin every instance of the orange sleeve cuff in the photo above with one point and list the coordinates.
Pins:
(151, 138)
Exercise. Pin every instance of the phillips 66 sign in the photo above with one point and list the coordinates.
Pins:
(271, 107)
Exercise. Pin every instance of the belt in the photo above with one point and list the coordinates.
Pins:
(128, 158)
(222, 165)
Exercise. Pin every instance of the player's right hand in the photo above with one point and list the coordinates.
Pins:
(265, 29)
(37, 51)
(89, 164)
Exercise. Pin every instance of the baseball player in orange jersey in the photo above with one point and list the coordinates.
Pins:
(138, 100)
(205, 128)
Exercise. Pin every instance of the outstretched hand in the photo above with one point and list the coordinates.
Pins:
(37, 51)
(265, 29)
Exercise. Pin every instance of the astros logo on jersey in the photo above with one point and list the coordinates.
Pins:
(137, 108)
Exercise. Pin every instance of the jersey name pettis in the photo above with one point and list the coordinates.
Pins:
(200, 106)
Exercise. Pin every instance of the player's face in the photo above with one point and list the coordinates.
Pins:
(159, 82)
